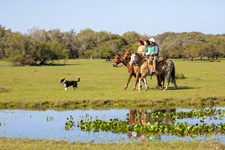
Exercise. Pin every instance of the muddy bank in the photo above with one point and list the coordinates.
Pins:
(106, 104)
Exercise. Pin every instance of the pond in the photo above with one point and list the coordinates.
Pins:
(50, 124)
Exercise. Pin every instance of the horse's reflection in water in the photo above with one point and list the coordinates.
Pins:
(140, 116)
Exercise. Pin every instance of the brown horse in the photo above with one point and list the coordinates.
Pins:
(165, 67)
(132, 70)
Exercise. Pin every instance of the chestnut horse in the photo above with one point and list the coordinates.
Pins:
(132, 70)
(165, 67)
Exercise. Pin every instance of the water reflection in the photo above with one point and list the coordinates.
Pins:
(50, 125)
(140, 116)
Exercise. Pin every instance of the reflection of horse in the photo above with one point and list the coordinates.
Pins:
(165, 67)
(133, 70)
(137, 116)
(140, 116)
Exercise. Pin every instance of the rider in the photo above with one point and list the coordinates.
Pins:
(147, 46)
(147, 50)
(154, 52)
(141, 47)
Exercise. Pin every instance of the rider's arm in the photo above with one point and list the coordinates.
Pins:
(156, 50)
(148, 52)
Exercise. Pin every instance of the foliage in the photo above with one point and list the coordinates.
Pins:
(37, 49)
(156, 123)
(54, 44)
(191, 45)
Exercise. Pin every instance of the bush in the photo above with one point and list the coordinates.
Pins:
(180, 76)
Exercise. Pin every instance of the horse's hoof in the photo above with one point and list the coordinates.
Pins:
(165, 89)
(124, 88)
(133, 89)
(156, 87)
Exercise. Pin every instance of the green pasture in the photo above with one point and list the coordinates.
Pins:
(101, 84)
(21, 144)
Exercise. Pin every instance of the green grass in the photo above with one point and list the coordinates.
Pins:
(31, 86)
(21, 144)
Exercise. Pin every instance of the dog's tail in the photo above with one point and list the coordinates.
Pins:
(78, 79)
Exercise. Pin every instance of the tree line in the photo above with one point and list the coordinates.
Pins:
(38, 47)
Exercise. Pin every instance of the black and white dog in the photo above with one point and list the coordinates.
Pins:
(69, 83)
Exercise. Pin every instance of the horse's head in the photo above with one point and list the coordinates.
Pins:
(133, 58)
(116, 60)
(126, 56)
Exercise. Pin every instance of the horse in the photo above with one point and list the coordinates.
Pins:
(132, 70)
(164, 67)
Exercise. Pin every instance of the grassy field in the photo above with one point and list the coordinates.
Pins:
(21, 144)
(102, 84)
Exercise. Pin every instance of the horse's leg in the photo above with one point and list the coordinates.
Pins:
(168, 81)
(135, 84)
(128, 80)
(174, 82)
(163, 80)
(139, 86)
(146, 85)
(157, 82)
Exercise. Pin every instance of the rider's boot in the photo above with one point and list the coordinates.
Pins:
(154, 67)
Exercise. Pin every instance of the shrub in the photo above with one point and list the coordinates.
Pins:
(180, 76)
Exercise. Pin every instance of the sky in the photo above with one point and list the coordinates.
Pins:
(150, 17)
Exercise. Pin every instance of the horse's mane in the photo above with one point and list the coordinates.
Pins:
(128, 55)
(141, 56)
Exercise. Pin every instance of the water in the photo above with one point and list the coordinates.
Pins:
(50, 125)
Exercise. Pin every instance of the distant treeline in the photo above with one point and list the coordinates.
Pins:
(39, 47)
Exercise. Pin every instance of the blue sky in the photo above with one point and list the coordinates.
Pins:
(149, 17)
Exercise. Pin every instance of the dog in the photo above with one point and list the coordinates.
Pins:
(70, 83)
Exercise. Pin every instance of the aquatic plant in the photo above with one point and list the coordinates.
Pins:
(154, 126)
(70, 123)
(49, 118)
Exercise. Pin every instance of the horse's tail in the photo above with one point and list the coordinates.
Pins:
(78, 79)
(173, 72)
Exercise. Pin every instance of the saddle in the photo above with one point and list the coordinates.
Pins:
(160, 59)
